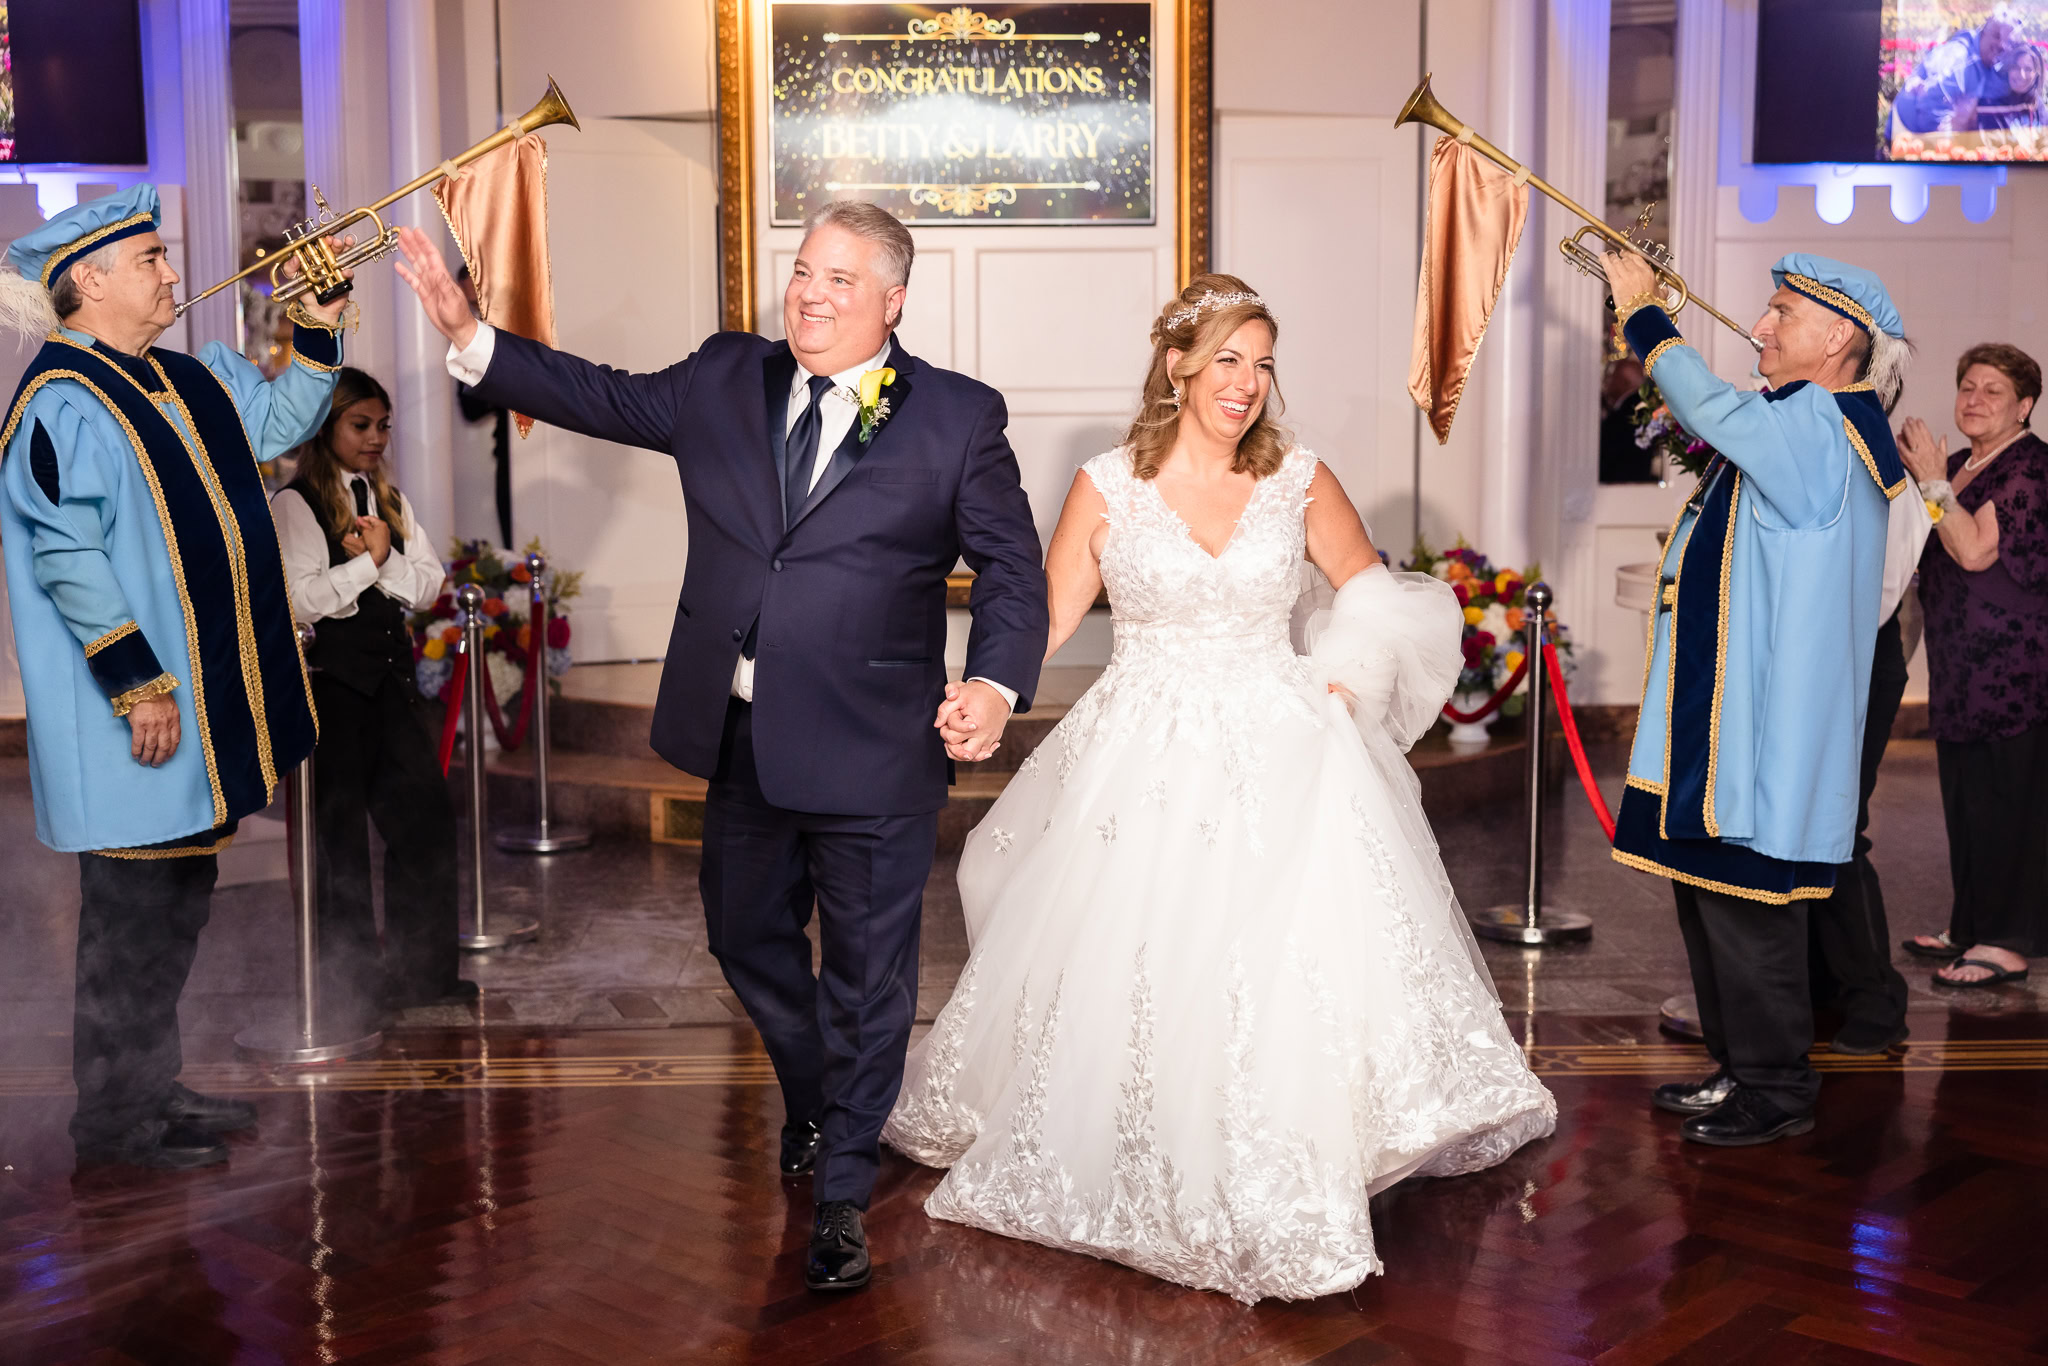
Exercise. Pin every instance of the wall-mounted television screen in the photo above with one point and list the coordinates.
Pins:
(1901, 80)
(1963, 81)
(71, 83)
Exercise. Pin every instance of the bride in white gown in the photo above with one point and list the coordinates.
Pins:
(1219, 991)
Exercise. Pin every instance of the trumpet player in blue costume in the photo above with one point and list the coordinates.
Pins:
(1744, 777)
(166, 693)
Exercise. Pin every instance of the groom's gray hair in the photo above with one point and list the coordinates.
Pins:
(877, 225)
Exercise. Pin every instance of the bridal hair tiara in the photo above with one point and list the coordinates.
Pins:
(1208, 303)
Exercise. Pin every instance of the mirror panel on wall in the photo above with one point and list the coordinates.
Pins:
(1641, 97)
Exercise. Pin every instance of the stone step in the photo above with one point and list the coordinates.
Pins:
(647, 798)
(644, 797)
(620, 728)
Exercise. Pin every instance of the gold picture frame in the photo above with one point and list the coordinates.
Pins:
(739, 46)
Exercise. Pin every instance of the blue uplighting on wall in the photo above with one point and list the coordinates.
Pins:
(1834, 187)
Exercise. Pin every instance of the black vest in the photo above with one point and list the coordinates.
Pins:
(359, 651)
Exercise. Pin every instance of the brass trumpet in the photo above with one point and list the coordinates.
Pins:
(1422, 107)
(312, 243)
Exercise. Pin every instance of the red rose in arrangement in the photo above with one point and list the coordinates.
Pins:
(508, 590)
(1493, 601)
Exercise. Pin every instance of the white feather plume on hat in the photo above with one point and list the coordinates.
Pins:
(25, 305)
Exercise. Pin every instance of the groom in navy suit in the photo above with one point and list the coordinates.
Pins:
(807, 663)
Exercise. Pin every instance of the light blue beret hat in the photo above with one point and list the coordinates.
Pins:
(1849, 290)
(46, 253)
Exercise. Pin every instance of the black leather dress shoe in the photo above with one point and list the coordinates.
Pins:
(799, 1148)
(1744, 1119)
(159, 1145)
(1694, 1097)
(839, 1248)
(207, 1114)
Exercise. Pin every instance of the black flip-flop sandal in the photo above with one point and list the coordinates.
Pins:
(1948, 951)
(1998, 974)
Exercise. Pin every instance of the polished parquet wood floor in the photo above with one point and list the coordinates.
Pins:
(468, 1198)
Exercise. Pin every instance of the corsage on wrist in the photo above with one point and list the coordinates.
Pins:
(1940, 498)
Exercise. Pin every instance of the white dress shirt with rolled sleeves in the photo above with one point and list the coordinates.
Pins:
(836, 413)
(320, 589)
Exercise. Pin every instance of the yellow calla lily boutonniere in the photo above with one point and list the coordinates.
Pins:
(874, 409)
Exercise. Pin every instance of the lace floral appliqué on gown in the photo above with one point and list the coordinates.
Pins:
(1219, 992)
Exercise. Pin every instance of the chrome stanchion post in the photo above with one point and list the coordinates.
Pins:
(1528, 924)
(300, 1041)
(482, 935)
(543, 836)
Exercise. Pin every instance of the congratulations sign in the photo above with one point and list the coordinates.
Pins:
(1038, 113)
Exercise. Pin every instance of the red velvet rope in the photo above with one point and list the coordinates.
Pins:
(512, 737)
(453, 694)
(1571, 739)
(1492, 704)
(509, 737)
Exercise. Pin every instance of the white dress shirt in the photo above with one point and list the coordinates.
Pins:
(320, 590)
(836, 413)
(1905, 537)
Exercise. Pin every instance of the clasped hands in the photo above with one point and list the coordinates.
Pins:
(372, 534)
(971, 721)
(1924, 455)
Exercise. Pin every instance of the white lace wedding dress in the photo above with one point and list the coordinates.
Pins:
(1219, 990)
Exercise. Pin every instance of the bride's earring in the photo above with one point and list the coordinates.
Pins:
(1175, 400)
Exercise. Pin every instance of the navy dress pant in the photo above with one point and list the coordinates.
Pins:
(1750, 982)
(138, 932)
(837, 1036)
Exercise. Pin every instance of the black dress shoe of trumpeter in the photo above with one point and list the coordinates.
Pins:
(159, 1145)
(839, 1248)
(1693, 1097)
(799, 1148)
(1745, 1118)
(207, 1114)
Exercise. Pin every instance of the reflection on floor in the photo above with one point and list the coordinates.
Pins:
(477, 1196)
(504, 1188)
(622, 941)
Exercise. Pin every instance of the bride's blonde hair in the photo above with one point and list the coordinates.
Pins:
(1198, 332)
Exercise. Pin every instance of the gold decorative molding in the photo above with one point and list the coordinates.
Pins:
(1194, 100)
(736, 164)
(739, 49)
(963, 200)
(961, 24)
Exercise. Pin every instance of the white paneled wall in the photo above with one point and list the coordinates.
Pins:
(1341, 280)
(633, 231)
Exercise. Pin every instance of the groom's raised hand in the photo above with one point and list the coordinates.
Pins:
(439, 295)
(971, 720)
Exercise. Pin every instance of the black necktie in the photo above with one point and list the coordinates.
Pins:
(803, 451)
(362, 492)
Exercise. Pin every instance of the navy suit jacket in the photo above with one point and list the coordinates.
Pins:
(848, 602)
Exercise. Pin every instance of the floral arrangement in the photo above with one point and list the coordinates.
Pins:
(508, 636)
(1658, 431)
(1494, 603)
